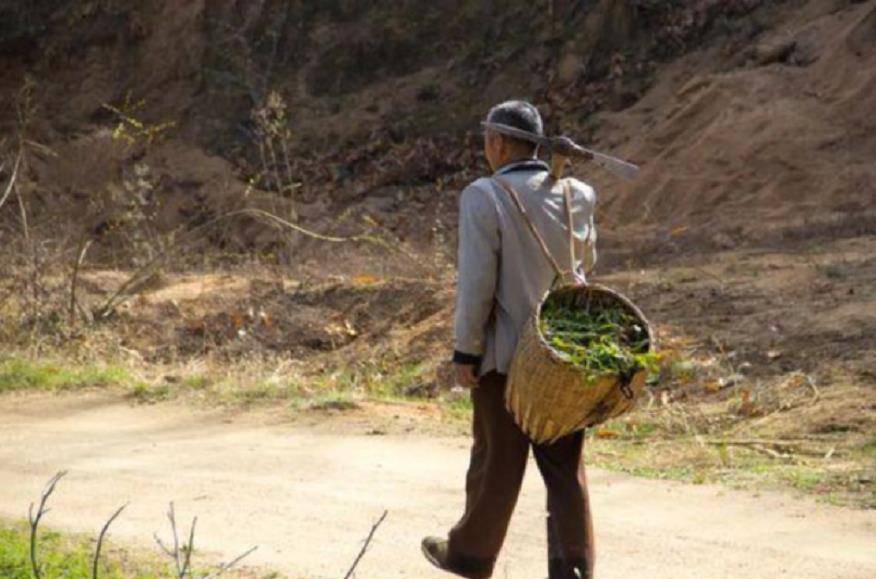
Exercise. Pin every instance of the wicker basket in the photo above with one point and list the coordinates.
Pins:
(550, 397)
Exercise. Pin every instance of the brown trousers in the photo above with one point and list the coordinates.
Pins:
(495, 474)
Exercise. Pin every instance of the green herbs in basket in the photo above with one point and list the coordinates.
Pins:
(600, 340)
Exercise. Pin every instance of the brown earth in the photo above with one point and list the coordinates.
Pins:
(751, 118)
(761, 143)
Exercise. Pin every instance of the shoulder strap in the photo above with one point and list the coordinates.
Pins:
(515, 197)
(567, 198)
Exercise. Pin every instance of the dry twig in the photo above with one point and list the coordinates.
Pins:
(228, 566)
(23, 212)
(816, 395)
(365, 546)
(189, 549)
(101, 537)
(84, 244)
(774, 447)
(180, 554)
(12, 180)
(35, 520)
(141, 277)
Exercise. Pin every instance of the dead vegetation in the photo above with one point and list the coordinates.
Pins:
(180, 554)
(722, 411)
(178, 549)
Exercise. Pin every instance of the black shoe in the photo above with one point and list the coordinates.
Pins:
(437, 552)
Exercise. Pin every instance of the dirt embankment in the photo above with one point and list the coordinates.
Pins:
(378, 105)
(764, 142)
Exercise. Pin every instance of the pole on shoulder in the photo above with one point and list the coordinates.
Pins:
(558, 165)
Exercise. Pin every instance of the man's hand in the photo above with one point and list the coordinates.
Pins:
(466, 376)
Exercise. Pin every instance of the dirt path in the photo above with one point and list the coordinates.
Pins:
(308, 498)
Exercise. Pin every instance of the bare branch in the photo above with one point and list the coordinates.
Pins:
(189, 549)
(139, 278)
(181, 554)
(35, 520)
(171, 516)
(365, 546)
(172, 553)
(103, 532)
(776, 448)
(228, 566)
(12, 179)
(84, 244)
(161, 545)
(41, 148)
(23, 212)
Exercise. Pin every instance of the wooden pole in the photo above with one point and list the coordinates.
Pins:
(558, 165)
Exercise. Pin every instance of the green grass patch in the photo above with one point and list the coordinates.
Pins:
(260, 390)
(252, 383)
(24, 374)
(834, 271)
(804, 479)
(386, 380)
(66, 556)
(196, 382)
(458, 406)
(616, 447)
(867, 450)
(397, 381)
(71, 556)
(258, 383)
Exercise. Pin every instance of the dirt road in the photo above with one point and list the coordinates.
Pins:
(308, 498)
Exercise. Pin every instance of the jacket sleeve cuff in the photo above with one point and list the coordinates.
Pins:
(467, 359)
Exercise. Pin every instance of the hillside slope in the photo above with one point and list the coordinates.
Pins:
(734, 109)
(764, 142)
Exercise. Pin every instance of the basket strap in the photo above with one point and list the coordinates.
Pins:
(567, 198)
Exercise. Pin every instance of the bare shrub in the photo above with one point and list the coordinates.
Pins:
(179, 552)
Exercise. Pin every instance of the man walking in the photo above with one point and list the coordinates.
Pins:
(503, 274)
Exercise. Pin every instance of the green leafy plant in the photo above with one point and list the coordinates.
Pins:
(599, 339)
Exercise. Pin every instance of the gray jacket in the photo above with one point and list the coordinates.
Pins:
(503, 273)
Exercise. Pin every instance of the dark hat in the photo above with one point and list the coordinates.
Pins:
(518, 114)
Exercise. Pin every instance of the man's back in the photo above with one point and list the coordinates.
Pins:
(503, 273)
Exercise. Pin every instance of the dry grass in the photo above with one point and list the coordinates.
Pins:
(705, 422)
(711, 415)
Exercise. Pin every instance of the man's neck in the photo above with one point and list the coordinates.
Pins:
(515, 161)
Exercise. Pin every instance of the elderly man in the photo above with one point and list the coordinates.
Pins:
(503, 274)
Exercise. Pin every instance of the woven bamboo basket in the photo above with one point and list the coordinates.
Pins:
(550, 397)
